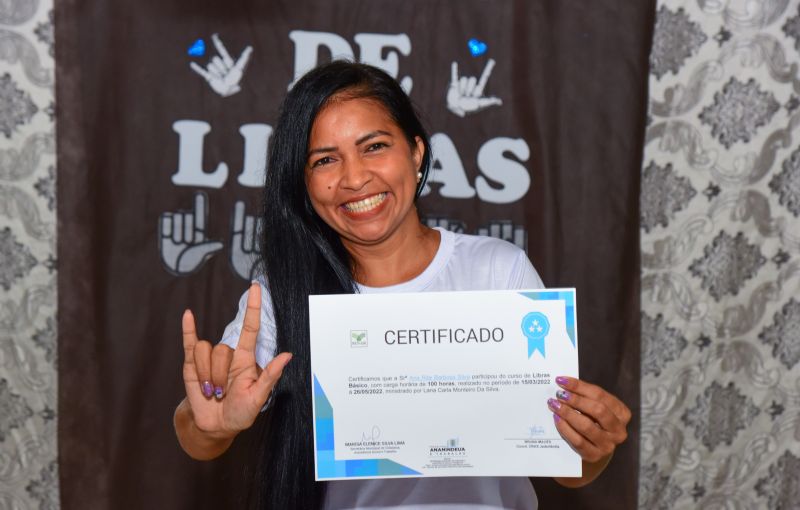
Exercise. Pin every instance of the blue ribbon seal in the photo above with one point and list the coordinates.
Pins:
(535, 326)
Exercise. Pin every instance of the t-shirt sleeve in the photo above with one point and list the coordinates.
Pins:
(265, 341)
(524, 275)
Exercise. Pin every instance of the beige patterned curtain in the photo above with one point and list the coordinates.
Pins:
(28, 469)
(720, 221)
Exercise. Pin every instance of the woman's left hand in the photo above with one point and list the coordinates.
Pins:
(589, 418)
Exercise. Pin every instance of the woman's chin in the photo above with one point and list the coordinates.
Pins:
(366, 236)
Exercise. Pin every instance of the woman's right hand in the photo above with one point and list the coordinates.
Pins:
(225, 388)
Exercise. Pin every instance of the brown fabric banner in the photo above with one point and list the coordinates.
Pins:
(537, 113)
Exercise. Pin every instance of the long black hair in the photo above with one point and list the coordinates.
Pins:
(302, 255)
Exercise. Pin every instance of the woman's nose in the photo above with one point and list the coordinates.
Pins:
(356, 174)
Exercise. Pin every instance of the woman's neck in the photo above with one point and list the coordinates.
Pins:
(400, 258)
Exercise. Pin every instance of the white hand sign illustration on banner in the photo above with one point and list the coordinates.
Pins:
(465, 94)
(182, 238)
(507, 231)
(244, 242)
(222, 73)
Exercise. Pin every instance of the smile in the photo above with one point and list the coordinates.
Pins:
(367, 204)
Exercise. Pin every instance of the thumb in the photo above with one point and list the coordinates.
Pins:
(192, 257)
(270, 375)
(483, 102)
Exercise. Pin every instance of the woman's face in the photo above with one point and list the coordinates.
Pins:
(361, 172)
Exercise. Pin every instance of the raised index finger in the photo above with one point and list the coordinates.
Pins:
(223, 52)
(252, 320)
(189, 337)
(454, 73)
(238, 217)
(200, 211)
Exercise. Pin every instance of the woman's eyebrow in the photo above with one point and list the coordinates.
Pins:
(321, 149)
(361, 140)
(372, 134)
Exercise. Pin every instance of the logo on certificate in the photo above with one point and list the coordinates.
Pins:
(358, 338)
(450, 455)
(451, 448)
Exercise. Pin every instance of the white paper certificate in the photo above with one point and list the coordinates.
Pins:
(441, 383)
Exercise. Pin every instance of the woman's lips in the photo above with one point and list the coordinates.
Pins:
(366, 204)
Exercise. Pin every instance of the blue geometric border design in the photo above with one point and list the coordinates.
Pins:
(327, 465)
(568, 296)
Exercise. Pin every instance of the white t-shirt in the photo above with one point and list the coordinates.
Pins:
(462, 262)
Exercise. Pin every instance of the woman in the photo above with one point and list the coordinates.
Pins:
(348, 159)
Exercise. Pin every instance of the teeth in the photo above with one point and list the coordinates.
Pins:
(367, 204)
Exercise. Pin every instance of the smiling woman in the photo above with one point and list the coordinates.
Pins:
(363, 175)
(360, 168)
(348, 160)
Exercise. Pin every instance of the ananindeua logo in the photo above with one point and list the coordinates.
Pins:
(358, 338)
(451, 449)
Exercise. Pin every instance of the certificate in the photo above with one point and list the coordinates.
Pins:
(441, 383)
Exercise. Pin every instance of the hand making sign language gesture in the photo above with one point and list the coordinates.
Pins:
(245, 247)
(465, 94)
(225, 389)
(223, 74)
(182, 239)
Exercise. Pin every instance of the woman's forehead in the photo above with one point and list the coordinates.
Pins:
(344, 99)
(340, 116)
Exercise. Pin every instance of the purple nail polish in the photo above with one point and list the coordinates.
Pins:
(563, 394)
(207, 389)
(561, 380)
(555, 404)
(218, 392)
(556, 418)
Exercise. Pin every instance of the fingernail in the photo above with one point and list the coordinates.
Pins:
(218, 392)
(561, 380)
(556, 418)
(553, 403)
(208, 390)
(563, 394)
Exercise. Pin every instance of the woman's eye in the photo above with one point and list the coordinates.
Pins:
(321, 161)
(376, 146)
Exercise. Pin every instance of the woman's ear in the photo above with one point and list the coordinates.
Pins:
(418, 152)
